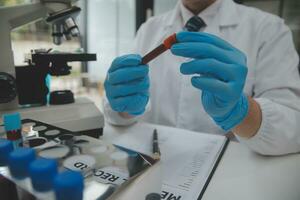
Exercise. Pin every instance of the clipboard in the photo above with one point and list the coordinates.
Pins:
(214, 169)
(180, 150)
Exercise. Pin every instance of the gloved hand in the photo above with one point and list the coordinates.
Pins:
(127, 85)
(220, 72)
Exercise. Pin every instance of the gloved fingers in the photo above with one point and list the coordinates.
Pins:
(124, 75)
(138, 104)
(210, 67)
(214, 106)
(114, 91)
(117, 106)
(133, 104)
(125, 61)
(137, 112)
(241, 72)
(184, 36)
(211, 84)
(200, 50)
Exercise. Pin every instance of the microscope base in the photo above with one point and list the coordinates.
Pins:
(82, 116)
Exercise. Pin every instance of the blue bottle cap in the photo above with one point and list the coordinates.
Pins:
(19, 160)
(68, 185)
(6, 147)
(42, 172)
(12, 121)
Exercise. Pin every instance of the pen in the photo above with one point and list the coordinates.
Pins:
(156, 151)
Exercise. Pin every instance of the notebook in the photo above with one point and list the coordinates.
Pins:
(188, 158)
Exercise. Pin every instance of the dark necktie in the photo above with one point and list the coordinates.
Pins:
(194, 24)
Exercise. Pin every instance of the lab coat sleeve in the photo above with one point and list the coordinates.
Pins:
(277, 92)
(112, 116)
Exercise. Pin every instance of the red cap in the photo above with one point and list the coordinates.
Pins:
(169, 41)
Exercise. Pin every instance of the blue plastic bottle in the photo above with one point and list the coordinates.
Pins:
(69, 185)
(6, 147)
(42, 172)
(18, 163)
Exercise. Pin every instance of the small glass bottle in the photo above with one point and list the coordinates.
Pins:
(12, 126)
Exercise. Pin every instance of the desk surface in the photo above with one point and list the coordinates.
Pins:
(245, 175)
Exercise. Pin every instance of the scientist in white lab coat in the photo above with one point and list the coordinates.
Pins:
(239, 73)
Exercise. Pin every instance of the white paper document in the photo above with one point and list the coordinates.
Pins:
(187, 157)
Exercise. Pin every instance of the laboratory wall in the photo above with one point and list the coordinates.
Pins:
(111, 29)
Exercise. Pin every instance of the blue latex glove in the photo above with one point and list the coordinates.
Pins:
(220, 72)
(127, 85)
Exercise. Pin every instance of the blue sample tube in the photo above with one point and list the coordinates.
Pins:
(6, 147)
(19, 160)
(42, 172)
(12, 126)
(69, 185)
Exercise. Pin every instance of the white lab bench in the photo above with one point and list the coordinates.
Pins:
(242, 174)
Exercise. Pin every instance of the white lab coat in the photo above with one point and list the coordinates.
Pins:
(273, 77)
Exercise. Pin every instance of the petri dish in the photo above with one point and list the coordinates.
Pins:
(29, 124)
(99, 150)
(52, 132)
(55, 152)
(119, 158)
(39, 128)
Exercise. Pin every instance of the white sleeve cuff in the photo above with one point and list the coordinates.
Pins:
(114, 117)
(272, 137)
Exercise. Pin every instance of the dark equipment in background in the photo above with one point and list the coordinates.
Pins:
(31, 79)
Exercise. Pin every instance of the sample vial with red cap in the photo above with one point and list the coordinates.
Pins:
(12, 126)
